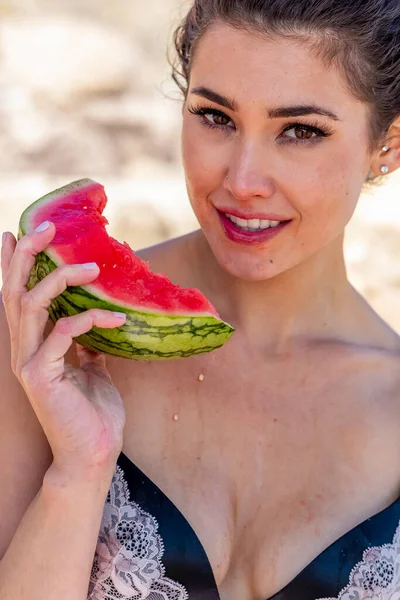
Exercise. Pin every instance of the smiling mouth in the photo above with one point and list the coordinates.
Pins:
(251, 231)
(252, 225)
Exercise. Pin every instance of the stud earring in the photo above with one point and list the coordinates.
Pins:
(385, 149)
(384, 169)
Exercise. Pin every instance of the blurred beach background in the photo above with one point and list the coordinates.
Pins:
(85, 91)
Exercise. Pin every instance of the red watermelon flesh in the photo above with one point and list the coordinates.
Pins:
(81, 237)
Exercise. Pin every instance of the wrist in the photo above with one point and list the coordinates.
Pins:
(94, 480)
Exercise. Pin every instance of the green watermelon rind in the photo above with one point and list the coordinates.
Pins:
(145, 335)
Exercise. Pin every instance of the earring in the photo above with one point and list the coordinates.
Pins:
(385, 149)
(384, 169)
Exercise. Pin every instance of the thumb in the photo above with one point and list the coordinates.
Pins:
(88, 359)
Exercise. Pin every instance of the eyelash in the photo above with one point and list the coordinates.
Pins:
(316, 128)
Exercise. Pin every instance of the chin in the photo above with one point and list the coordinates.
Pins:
(248, 264)
(247, 268)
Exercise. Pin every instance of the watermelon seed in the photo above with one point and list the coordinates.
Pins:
(176, 417)
(201, 377)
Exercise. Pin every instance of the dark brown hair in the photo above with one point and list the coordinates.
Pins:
(361, 38)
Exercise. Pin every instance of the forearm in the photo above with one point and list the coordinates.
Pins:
(51, 554)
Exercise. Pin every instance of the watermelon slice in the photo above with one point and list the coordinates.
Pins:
(163, 320)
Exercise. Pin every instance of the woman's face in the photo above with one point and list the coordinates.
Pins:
(291, 140)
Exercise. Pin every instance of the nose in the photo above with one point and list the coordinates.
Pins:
(249, 174)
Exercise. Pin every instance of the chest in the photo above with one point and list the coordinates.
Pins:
(269, 466)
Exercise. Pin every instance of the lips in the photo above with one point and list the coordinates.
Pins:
(237, 234)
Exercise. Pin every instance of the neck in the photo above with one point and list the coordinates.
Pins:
(311, 301)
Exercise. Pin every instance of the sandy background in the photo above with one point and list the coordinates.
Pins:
(85, 91)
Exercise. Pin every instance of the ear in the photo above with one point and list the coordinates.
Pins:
(388, 154)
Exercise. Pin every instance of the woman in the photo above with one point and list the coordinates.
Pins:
(284, 459)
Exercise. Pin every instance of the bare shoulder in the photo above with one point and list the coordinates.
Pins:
(164, 249)
(173, 258)
(387, 356)
(382, 389)
(391, 371)
(376, 356)
(24, 450)
(377, 369)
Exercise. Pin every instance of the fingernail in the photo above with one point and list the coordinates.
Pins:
(119, 315)
(3, 239)
(42, 227)
(89, 266)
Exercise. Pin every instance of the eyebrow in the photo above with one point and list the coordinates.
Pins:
(274, 113)
(301, 111)
(215, 97)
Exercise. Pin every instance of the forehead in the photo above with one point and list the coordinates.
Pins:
(248, 67)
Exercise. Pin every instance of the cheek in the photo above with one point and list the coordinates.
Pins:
(326, 200)
(202, 165)
(342, 175)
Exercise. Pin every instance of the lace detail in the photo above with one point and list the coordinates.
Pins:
(377, 576)
(127, 563)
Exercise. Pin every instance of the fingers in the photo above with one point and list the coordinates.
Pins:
(49, 359)
(88, 358)
(27, 311)
(17, 267)
(7, 250)
(34, 305)
(17, 260)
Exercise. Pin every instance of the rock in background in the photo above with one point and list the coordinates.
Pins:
(85, 91)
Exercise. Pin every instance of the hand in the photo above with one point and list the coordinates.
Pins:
(80, 410)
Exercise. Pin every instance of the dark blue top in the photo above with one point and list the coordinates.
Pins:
(147, 549)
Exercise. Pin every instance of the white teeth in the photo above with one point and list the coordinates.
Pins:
(241, 222)
(252, 224)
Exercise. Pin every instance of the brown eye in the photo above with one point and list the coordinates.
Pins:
(216, 119)
(300, 132)
(213, 118)
(303, 133)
